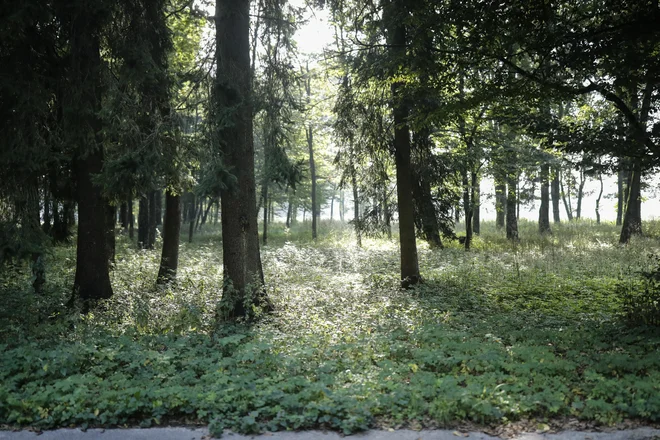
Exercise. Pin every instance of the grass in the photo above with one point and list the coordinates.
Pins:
(500, 334)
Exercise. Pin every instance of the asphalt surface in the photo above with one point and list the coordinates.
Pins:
(202, 434)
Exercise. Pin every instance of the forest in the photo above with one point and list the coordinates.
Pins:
(271, 215)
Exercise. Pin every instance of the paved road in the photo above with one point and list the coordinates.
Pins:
(202, 434)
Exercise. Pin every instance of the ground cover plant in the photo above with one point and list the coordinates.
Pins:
(536, 329)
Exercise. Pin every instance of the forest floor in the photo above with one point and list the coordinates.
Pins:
(538, 336)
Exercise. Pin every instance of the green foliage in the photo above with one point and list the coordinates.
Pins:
(508, 331)
(641, 297)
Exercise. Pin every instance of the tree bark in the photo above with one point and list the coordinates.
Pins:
(621, 196)
(407, 241)
(312, 172)
(476, 205)
(131, 219)
(169, 260)
(143, 223)
(544, 211)
(555, 195)
(92, 279)
(600, 196)
(567, 201)
(511, 204)
(264, 196)
(151, 237)
(356, 205)
(580, 195)
(632, 220)
(243, 274)
(110, 239)
(500, 201)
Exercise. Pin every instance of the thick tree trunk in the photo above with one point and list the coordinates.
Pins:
(407, 240)
(511, 204)
(632, 220)
(425, 213)
(500, 201)
(243, 272)
(92, 279)
(555, 195)
(544, 211)
(169, 260)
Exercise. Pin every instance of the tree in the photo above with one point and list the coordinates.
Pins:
(243, 273)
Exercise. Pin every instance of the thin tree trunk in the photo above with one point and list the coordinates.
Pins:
(500, 201)
(143, 223)
(342, 208)
(356, 206)
(123, 216)
(158, 207)
(511, 204)
(169, 260)
(332, 207)
(312, 172)
(600, 196)
(110, 239)
(544, 211)
(580, 195)
(621, 197)
(555, 195)
(567, 202)
(46, 208)
(131, 219)
(264, 196)
(151, 237)
(476, 204)
(467, 204)
(192, 211)
(289, 213)
(243, 272)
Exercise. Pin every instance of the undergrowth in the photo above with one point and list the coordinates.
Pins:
(498, 334)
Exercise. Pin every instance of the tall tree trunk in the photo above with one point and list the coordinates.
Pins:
(467, 203)
(131, 219)
(332, 207)
(192, 212)
(544, 211)
(312, 172)
(621, 196)
(158, 207)
(632, 220)
(600, 196)
(110, 239)
(289, 213)
(407, 241)
(151, 237)
(243, 272)
(46, 208)
(342, 208)
(264, 197)
(566, 199)
(92, 279)
(425, 212)
(169, 260)
(555, 195)
(206, 212)
(356, 205)
(511, 204)
(580, 195)
(123, 215)
(500, 201)
(476, 204)
(143, 223)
